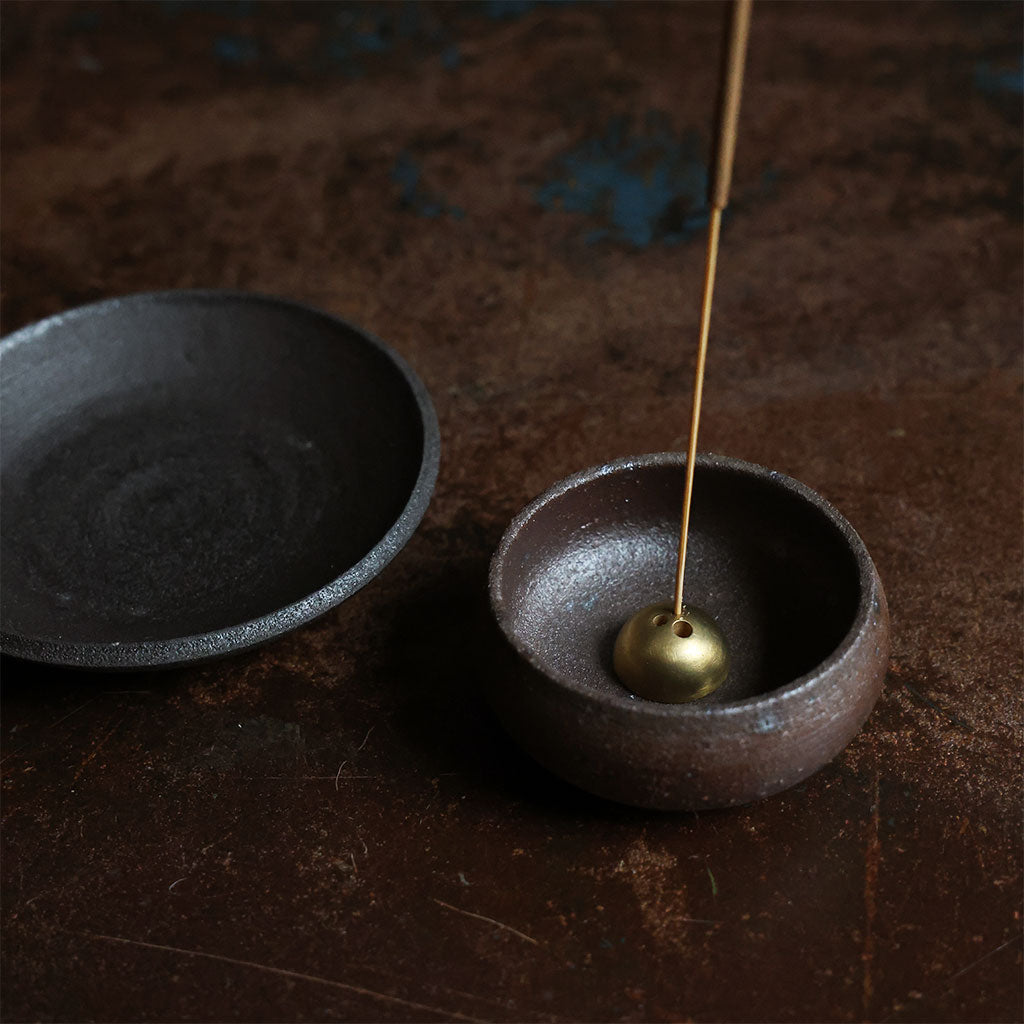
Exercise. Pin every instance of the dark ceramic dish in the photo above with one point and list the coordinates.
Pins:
(187, 474)
(790, 583)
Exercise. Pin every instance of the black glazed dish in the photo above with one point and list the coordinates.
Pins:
(786, 577)
(191, 473)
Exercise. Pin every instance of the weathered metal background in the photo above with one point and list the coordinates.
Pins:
(333, 828)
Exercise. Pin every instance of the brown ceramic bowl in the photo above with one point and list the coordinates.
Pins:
(788, 580)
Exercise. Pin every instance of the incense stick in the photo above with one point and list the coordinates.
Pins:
(718, 197)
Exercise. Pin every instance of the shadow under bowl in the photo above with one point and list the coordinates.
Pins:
(191, 473)
(784, 574)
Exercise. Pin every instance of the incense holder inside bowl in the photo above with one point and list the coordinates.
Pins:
(785, 576)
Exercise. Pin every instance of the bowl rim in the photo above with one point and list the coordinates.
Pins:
(869, 587)
(166, 653)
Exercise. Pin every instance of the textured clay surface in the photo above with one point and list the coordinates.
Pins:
(189, 473)
(334, 827)
(787, 580)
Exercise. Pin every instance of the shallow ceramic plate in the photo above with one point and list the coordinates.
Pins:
(187, 474)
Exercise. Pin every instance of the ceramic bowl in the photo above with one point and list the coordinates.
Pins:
(784, 574)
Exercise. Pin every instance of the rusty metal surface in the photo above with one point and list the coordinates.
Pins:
(333, 827)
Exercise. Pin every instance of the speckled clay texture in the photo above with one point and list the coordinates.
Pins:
(785, 576)
(191, 473)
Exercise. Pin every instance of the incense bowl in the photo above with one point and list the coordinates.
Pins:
(784, 574)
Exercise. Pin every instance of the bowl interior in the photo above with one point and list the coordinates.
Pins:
(179, 463)
(766, 558)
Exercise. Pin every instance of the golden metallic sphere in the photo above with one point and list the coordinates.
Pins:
(669, 659)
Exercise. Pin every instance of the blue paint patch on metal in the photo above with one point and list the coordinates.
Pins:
(501, 9)
(990, 79)
(229, 49)
(646, 187)
(406, 173)
(361, 30)
(350, 34)
(504, 10)
(370, 42)
(410, 21)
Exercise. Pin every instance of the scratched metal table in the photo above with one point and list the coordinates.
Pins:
(333, 827)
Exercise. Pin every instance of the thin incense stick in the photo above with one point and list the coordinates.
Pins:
(718, 198)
